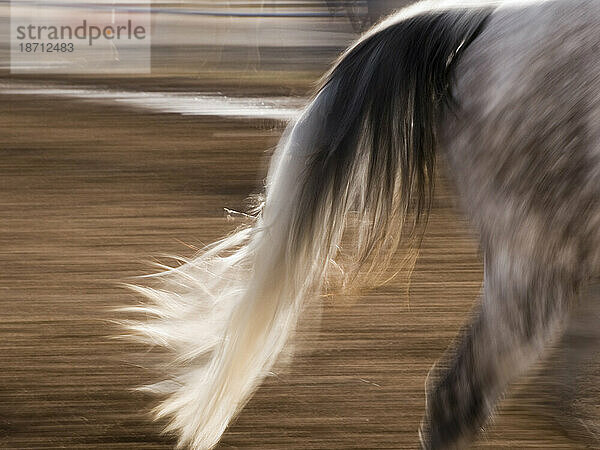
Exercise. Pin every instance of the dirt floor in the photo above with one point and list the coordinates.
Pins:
(89, 194)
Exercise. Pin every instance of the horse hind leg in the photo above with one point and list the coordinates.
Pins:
(523, 308)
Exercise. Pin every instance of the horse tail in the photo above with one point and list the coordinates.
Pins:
(365, 143)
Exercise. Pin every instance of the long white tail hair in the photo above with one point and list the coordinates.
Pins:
(364, 143)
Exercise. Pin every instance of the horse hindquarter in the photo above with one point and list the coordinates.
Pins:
(523, 145)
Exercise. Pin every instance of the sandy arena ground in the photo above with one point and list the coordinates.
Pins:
(89, 193)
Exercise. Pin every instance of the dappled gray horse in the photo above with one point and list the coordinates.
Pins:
(509, 95)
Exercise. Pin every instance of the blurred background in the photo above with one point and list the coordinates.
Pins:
(102, 175)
